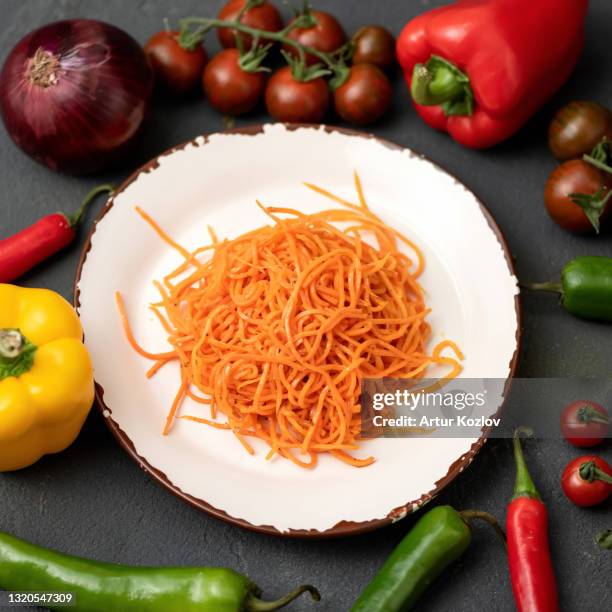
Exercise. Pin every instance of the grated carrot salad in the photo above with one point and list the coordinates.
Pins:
(276, 330)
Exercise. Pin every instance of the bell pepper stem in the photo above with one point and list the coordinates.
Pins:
(254, 604)
(16, 353)
(440, 83)
(524, 486)
(589, 471)
(433, 88)
(470, 515)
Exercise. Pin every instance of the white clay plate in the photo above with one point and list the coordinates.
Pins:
(214, 181)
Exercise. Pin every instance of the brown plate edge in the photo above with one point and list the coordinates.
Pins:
(342, 528)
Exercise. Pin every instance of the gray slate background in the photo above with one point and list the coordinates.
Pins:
(92, 500)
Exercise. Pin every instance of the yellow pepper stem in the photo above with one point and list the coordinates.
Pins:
(16, 353)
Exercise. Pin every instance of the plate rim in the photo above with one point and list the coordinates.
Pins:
(342, 528)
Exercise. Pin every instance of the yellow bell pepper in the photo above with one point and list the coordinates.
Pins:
(46, 376)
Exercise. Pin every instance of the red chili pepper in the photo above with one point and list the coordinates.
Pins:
(531, 570)
(27, 248)
(479, 69)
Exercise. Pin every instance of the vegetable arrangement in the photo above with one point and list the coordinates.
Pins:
(443, 534)
(314, 46)
(91, 79)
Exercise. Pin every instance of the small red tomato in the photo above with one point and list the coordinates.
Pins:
(575, 176)
(228, 87)
(177, 70)
(587, 481)
(584, 423)
(290, 100)
(265, 16)
(326, 35)
(374, 45)
(365, 96)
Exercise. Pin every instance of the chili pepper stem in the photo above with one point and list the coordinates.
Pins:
(551, 287)
(470, 515)
(604, 539)
(254, 604)
(75, 218)
(524, 486)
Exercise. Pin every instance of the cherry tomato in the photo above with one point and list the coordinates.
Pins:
(577, 128)
(374, 45)
(177, 70)
(364, 96)
(584, 423)
(586, 481)
(296, 101)
(263, 17)
(228, 87)
(327, 36)
(575, 176)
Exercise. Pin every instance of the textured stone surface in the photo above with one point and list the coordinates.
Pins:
(93, 501)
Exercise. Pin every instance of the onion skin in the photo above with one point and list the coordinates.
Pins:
(73, 94)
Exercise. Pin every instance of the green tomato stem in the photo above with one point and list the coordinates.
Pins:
(590, 472)
(206, 24)
(597, 163)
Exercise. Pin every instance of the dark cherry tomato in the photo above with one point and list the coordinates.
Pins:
(374, 45)
(327, 36)
(584, 423)
(577, 128)
(296, 101)
(365, 96)
(228, 87)
(263, 17)
(575, 176)
(177, 70)
(587, 481)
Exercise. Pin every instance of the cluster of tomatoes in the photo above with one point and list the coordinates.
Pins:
(577, 192)
(235, 79)
(586, 480)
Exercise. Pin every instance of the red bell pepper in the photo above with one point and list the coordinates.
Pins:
(479, 69)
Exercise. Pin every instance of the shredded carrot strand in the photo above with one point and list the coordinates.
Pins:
(280, 326)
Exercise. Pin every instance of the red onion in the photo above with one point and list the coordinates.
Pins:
(74, 93)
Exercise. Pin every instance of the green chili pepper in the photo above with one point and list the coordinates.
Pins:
(102, 587)
(438, 538)
(585, 287)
